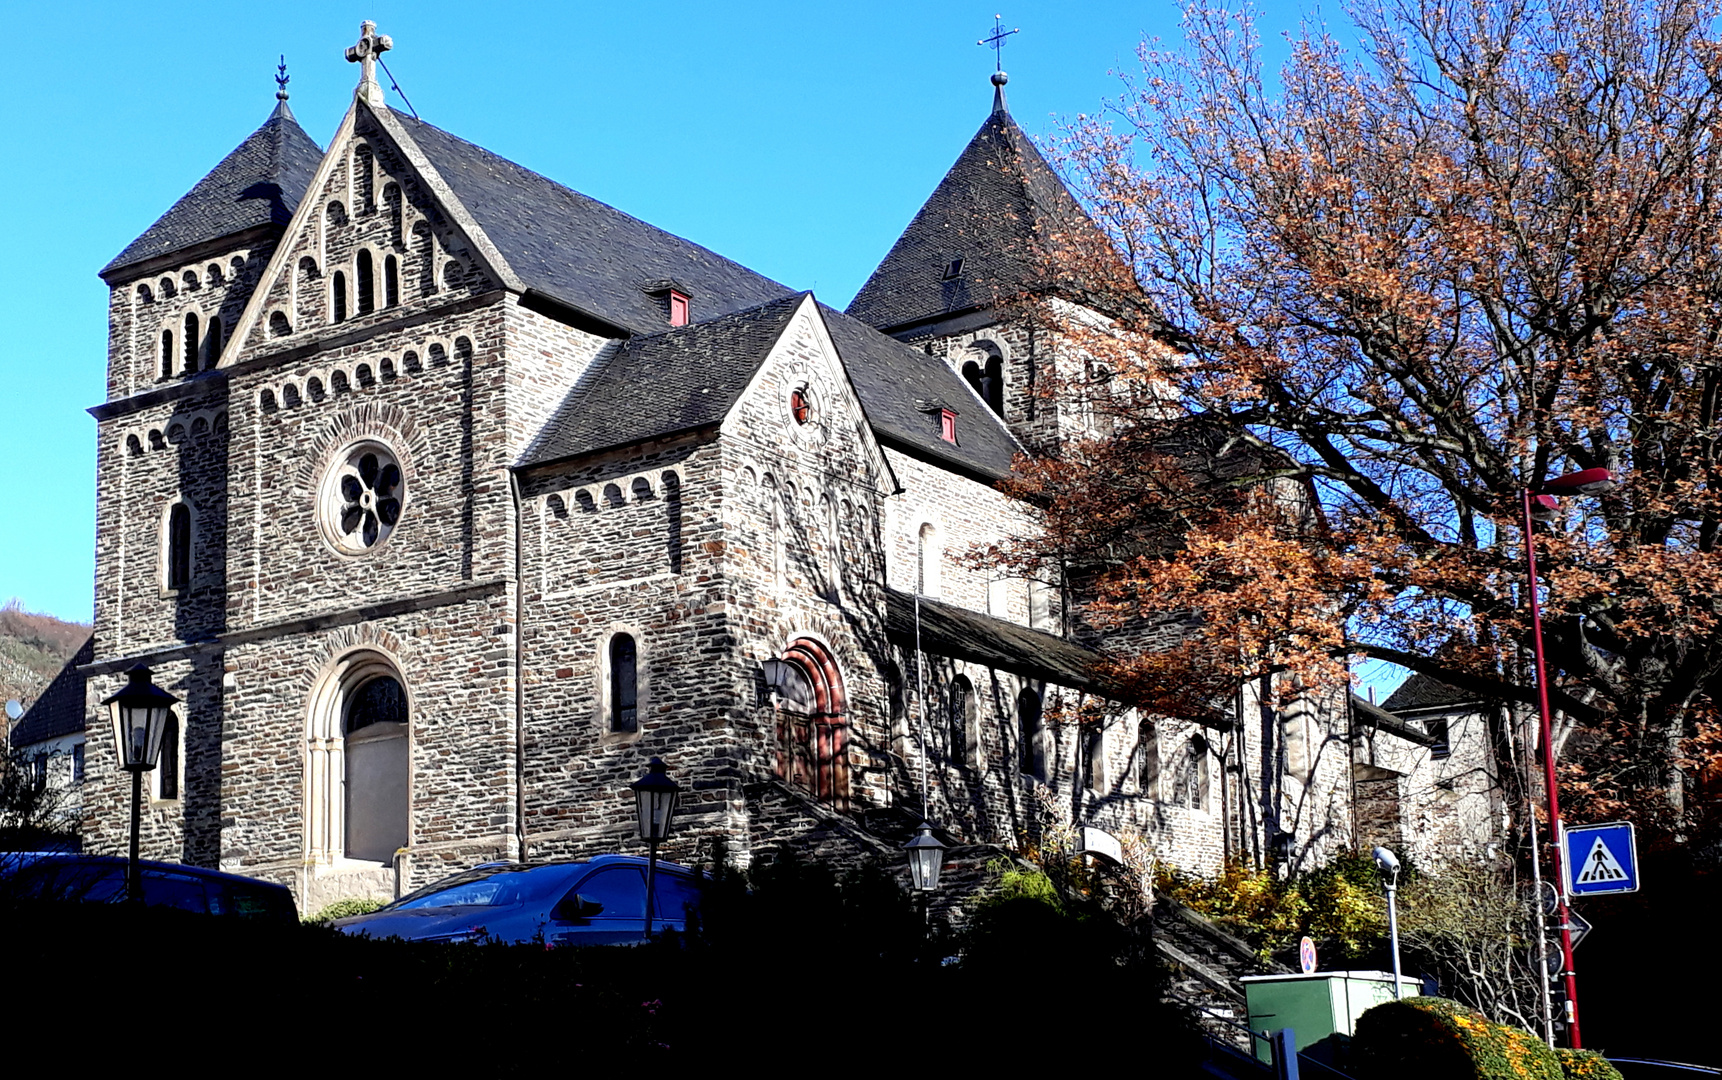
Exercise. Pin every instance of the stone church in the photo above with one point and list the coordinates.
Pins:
(444, 497)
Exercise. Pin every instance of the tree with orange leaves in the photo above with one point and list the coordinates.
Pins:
(1480, 249)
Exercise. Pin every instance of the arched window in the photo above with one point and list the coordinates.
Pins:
(964, 723)
(358, 762)
(1093, 757)
(622, 686)
(812, 728)
(928, 554)
(278, 325)
(897, 695)
(189, 343)
(178, 559)
(212, 343)
(338, 297)
(1146, 765)
(833, 567)
(1030, 735)
(391, 281)
(424, 253)
(1192, 780)
(166, 353)
(167, 770)
(364, 180)
(366, 282)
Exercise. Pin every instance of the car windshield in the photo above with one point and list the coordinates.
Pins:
(489, 886)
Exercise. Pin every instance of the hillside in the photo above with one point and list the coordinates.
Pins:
(32, 649)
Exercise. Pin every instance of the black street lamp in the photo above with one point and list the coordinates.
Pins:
(655, 797)
(139, 711)
(926, 858)
(1540, 505)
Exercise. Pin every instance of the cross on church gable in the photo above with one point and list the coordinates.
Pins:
(370, 47)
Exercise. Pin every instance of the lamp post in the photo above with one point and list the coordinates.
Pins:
(1540, 505)
(139, 712)
(1388, 864)
(655, 797)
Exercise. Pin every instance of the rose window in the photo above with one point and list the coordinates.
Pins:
(362, 498)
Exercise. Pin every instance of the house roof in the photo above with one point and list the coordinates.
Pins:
(903, 390)
(661, 384)
(581, 252)
(1424, 692)
(967, 635)
(60, 709)
(998, 210)
(259, 183)
(1382, 720)
(690, 377)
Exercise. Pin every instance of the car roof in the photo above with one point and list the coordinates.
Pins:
(22, 859)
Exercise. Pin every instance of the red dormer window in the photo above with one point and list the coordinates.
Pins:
(948, 426)
(678, 309)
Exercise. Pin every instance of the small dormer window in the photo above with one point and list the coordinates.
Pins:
(948, 426)
(678, 309)
(954, 269)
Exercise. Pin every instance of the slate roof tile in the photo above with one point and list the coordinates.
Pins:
(580, 251)
(60, 709)
(665, 383)
(259, 183)
(999, 209)
(947, 630)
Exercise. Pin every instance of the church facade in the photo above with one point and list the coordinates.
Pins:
(445, 497)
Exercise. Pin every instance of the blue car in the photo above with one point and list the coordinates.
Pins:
(101, 879)
(599, 901)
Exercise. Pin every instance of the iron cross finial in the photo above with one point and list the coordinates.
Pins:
(997, 40)
(282, 79)
(371, 46)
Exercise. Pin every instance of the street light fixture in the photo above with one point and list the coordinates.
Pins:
(139, 712)
(655, 796)
(1540, 505)
(1388, 864)
(926, 858)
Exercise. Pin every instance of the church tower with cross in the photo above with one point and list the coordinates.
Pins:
(444, 497)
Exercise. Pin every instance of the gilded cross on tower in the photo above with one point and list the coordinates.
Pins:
(371, 46)
(997, 40)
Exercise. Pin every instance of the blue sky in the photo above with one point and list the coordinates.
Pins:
(795, 138)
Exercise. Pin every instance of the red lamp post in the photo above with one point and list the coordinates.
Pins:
(1540, 505)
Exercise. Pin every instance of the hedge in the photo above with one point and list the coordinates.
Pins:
(1428, 1038)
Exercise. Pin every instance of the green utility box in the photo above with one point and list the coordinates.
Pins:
(1317, 1005)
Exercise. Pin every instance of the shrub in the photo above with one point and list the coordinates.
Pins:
(342, 909)
(1586, 1065)
(1425, 1038)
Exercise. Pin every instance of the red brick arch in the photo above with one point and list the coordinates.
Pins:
(813, 726)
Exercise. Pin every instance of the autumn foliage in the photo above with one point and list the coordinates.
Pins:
(1369, 304)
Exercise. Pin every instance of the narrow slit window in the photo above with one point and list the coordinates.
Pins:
(338, 297)
(179, 546)
(166, 353)
(212, 352)
(624, 685)
(391, 281)
(189, 343)
(366, 283)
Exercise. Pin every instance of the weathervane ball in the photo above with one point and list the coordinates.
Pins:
(1000, 78)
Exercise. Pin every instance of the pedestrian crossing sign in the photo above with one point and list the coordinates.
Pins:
(1600, 859)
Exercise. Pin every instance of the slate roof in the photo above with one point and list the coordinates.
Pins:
(664, 383)
(687, 378)
(997, 209)
(1382, 720)
(580, 251)
(259, 183)
(60, 709)
(902, 389)
(967, 635)
(1423, 692)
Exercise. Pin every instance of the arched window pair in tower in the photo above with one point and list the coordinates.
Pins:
(358, 762)
(986, 375)
(812, 724)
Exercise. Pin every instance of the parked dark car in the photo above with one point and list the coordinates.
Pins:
(599, 901)
(101, 879)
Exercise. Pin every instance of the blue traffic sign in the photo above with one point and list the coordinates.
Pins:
(1600, 859)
